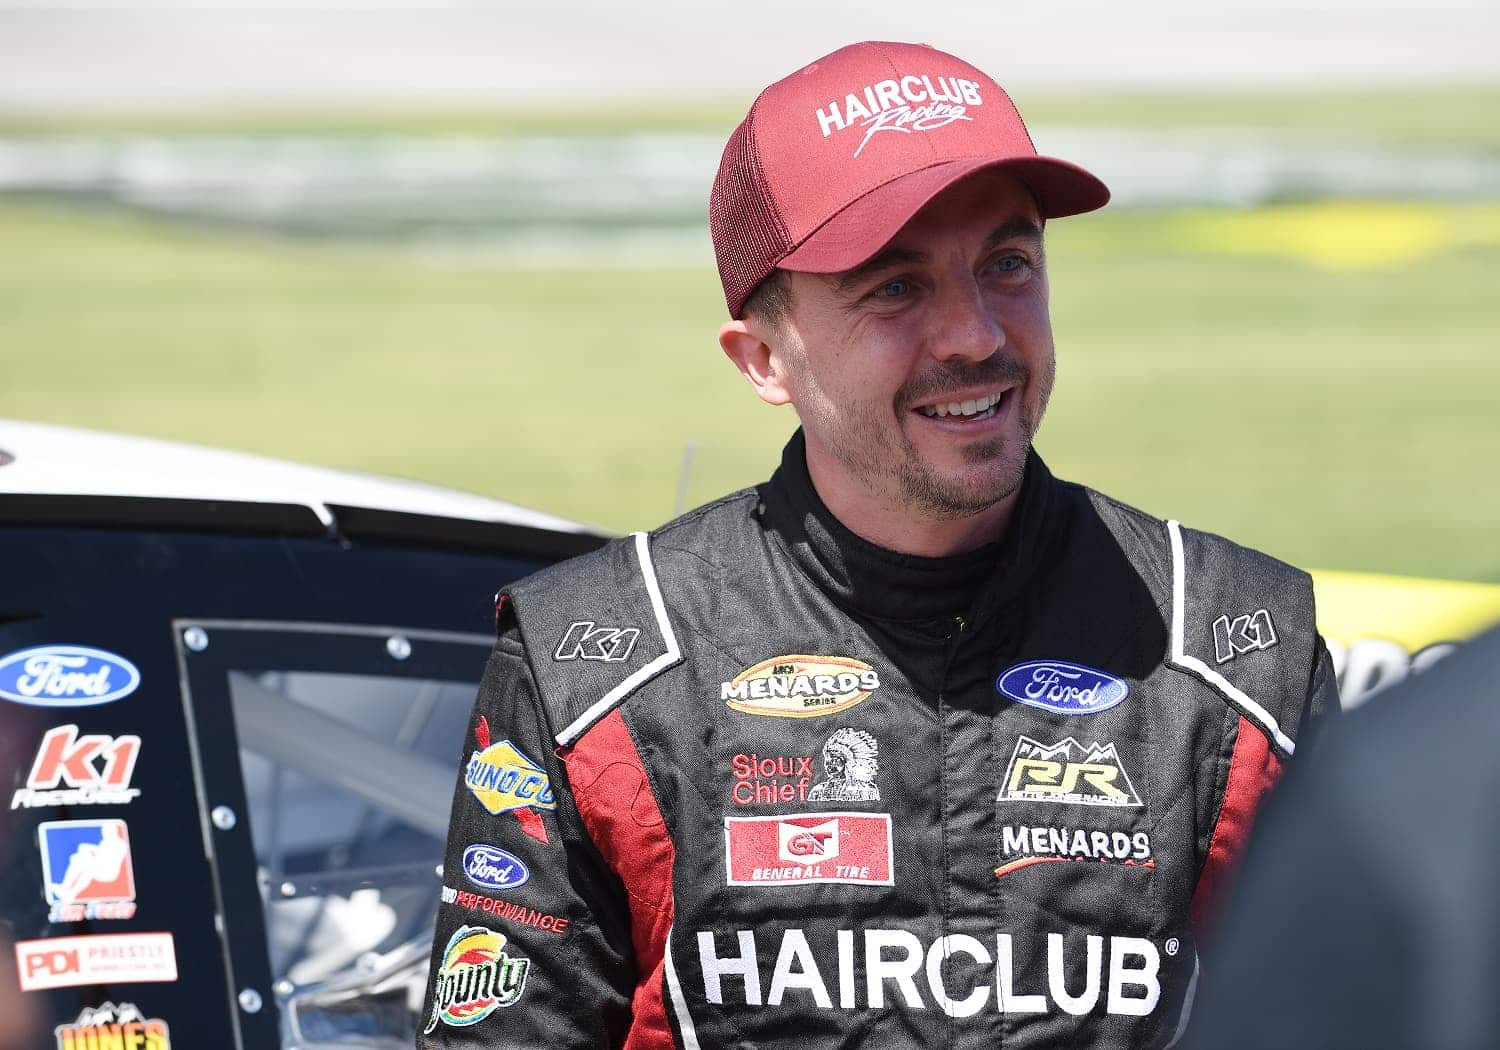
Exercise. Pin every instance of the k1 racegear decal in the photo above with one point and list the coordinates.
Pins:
(492, 868)
(110, 958)
(1243, 634)
(1122, 973)
(1069, 773)
(66, 676)
(584, 641)
(96, 769)
(98, 1027)
(793, 850)
(800, 686)
(1061, 687)
(506, 910)
(476, 977)
(1027, 846)
(87, 870)
(505, 780)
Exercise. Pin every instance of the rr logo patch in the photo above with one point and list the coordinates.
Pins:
(584, 641)
(1067, 772)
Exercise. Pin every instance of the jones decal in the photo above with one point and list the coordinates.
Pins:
(800, 686)
(1061, 687)
(66, 676)
(108, 1026)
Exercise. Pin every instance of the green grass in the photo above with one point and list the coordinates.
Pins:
(1459, 115)
(1341, 419)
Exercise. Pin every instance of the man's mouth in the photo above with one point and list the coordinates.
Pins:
(964, 411)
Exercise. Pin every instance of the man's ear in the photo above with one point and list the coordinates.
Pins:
(756, 360)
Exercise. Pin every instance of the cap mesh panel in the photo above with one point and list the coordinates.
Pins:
(748, 234)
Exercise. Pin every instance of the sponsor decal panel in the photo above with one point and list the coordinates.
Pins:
(492, 868)
(905, 104)
(505, 780)
(1025, 847)
(1061, 687)
(86, 869)
(109, 1026)
(1243, 634)
(850, 763)
(96, 769)
(800, 686)
(105, 958)
(66, 676)
(584, 640)
(507, 910)
(476, 977)
(898, 969)
(795, 850)
(1067, 773)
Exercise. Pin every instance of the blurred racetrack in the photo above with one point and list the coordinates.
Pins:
(1282, 330)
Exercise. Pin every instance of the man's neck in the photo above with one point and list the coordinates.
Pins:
(900, 527)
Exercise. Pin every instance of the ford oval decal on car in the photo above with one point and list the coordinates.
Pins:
(493, 868)
(66, 676)
(1061, 687)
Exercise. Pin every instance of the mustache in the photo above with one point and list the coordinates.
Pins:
(954, 375)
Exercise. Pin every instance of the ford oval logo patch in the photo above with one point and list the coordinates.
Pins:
(493, 868)
(66, 676)
(1061, 687)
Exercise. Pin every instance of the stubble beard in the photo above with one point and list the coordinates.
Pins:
(915, 483)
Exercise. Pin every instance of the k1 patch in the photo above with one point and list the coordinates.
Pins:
(822, 847)
(1061, 687)
(111, 1025)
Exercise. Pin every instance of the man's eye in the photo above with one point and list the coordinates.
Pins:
(894, 289)
(1010, 263)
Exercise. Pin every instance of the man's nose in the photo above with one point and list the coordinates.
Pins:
(969, 328)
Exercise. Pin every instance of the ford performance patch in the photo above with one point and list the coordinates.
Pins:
(1061, 687)
(492, 868)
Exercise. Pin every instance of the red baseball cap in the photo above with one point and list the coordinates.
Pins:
(834, 159)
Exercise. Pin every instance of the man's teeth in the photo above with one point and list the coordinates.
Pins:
(982, 406)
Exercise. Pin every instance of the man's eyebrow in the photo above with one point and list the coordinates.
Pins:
(881, 261)
(1017, 228)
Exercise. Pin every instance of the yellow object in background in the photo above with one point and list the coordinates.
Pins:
(1380, 629)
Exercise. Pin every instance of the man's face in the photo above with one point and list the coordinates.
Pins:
(923, 374)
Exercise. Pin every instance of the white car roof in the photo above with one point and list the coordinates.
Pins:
(42, 459)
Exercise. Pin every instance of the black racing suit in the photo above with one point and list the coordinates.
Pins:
(751, 781)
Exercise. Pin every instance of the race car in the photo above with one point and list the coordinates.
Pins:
(233, 692)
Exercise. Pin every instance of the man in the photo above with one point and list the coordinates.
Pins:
(1066, 711)
(1367, 914)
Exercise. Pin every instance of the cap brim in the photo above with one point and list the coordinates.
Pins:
(865, 226)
